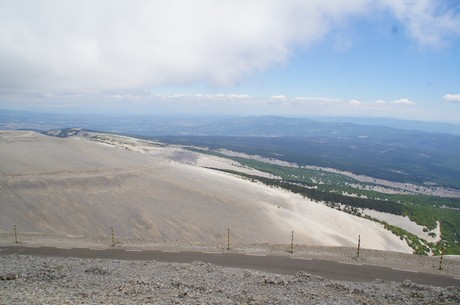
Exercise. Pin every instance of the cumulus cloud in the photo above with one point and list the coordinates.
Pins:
(403, 101)
(123, 44)
(354, 103)
(323, 101)
(278, 97)
(301, 100)
(106, 44)
(427, 21)
(148, 102)
(451, 98)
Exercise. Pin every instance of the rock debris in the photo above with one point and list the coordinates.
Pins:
(38, 280)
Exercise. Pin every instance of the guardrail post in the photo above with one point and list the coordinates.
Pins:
(15, 234)
(359, 245)
(440, 261)
(228, 239)
(113, 238)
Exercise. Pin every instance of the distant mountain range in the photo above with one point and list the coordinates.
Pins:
(407, 154)
(399, 124)
(265, 126)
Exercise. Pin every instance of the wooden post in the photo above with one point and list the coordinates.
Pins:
(292, 242)
(440, 260)
(113, 238)
(15, 234)
(228, 239)
(359, 245)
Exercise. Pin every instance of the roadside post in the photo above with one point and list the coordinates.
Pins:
(440, 260)
(113, 238)
(292, 242)
(359, 245)
(15, 234)
(228, 239)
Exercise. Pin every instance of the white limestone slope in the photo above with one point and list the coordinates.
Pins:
(80, 187)
(405, 223)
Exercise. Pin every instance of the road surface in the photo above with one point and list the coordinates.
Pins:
(345, 271)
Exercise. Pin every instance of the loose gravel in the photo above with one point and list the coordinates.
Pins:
(37, 280)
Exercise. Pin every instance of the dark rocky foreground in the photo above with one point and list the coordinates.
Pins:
(35, 280)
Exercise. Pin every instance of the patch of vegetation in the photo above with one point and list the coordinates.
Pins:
(402, 156)
(420, 246)
(404, 165)
(423, 214)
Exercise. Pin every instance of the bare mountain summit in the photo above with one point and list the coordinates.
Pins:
(83, 185)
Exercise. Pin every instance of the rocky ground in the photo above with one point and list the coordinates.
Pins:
(36, 280)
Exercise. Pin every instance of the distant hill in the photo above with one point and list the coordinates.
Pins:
(67, 132)
(398, 124)
(402, 154)
(264, 126)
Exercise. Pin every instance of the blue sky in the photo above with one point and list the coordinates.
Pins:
(382, 58)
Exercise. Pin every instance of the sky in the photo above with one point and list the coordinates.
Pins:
(363, 58)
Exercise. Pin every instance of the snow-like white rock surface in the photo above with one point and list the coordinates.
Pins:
(80, 187)
(405, 223)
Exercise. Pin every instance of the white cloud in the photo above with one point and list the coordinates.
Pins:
(354, 103)
(106, 45)
(193, 98)
(322, 101)
(278, 97)
(426, 20)
(89, 44)
(451, 98)
(151, 103)
(300, 100)
(403, 101)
